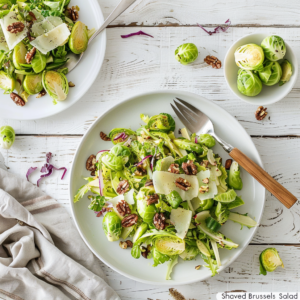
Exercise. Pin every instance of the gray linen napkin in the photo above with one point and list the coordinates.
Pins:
(42, 256)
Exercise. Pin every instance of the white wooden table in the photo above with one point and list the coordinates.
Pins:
(141, 64)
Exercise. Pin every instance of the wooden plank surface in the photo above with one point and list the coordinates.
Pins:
(141, 64)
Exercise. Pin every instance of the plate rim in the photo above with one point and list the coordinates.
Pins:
(98, 12)
(109, 110)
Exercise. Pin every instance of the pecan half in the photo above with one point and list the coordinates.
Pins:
(145, 252)
(174, 168)
(159, 221)
(123, 187)
(41, 94)
(32, 15)
(129, 220)
(104, 137)
(182, 184)
(213, 61)
(198, 267)
(71, 84)
(29, 55)
(152, 199)
(123, 208)
(16, 27)
(90, 163)
(140, 171)
(73, 13)
(17, 99)
(260, 113)
(149, 182)
(189, 168)
(203, 189)
(204, 163)
(129, 244)
(123, 245)
(228, 164)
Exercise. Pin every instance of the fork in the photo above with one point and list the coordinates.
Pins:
(198, 122)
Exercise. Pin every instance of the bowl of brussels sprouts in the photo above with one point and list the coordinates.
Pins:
(260, 69)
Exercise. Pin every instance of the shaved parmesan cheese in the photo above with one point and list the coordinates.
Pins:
(55, 21)
(12, 39)
(128, 197)
(212, 187)
(38, 15)
(40, 28)
(3, 44)
(52, 39)
(164, 183)
(181, 219)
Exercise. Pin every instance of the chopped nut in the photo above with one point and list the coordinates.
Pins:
(204, 163)
(104, 137)
(159, 221)
(145, 252)
(189, 168)
(41, 94)
(29, 55)
(123, 187)
(123, 208)
(174, 168)
(129, 220)
(149, 182)
(140, 171)
(213, 61)
(73, 13)
(71, 84)
(260, 113)
(203, 189)
(93, 173)
(228, 164)
(4, 6)
(198, 267)
(90, 163)
(32, 15)
(30, 37)
(16, 27)
(123, 245)
(17, 99)
(129, 244)
(205, 180)
(182, 184)
(152, 199)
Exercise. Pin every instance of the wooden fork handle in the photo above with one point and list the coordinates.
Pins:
(281, 193)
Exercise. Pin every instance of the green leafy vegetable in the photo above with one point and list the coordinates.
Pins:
(271, 73)
(162, 122)
(112, 226)
(188, 145)
(97, 203)
(226, 197)
(207, 140)
(174, 199)
(39, 62)
(173, 262)
(212, 224)
(234, 178)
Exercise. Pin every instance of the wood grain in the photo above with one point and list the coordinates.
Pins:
(140, 64)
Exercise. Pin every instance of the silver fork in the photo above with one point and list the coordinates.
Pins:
(198, 122)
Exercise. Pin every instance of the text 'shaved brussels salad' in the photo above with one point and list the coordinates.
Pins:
(262, 65)
(165, 197)
(35, 38)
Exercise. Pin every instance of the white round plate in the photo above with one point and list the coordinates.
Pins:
(126, 115)
(82, 76)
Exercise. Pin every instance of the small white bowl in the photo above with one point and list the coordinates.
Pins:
(269, 94)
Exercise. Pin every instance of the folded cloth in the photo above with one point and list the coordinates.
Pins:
(42, 256)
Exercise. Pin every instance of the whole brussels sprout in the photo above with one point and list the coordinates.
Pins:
(78, 41)
(234, 177)
(248, 83)
(162, 122)
(56, 85)
(112, 226)
(269, 261)
(186, 53)
(170, 245)
(249, 57)
(7, 83)
(274, 47)
(189, 253)
(7, 137)
(19, 55)
(207, 140)
(174, 199)
(188, 145)
(271, 73)
(287, 72)
(33, 84)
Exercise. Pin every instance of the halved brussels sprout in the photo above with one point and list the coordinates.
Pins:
(271, 73)
(7, 137)
(32, 84)
(7, 83)
(170, 245)
(274, 47)
(234, 177)
(174, 199)
(112, 226)
(249, 57)
(56, 85)
(19, 55)
(79, 38)
(162, 122)
(287, 72)
(201, 205)
(269, 260)
(118, 132)
(248, 83)
(186, 53)
(188, 145)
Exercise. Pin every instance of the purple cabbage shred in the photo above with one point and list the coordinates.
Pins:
(218, 28)
(30, 170)
(135, 33)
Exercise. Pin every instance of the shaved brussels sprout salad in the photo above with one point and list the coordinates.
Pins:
(35, 39)
(167, 197)
(259, 65)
